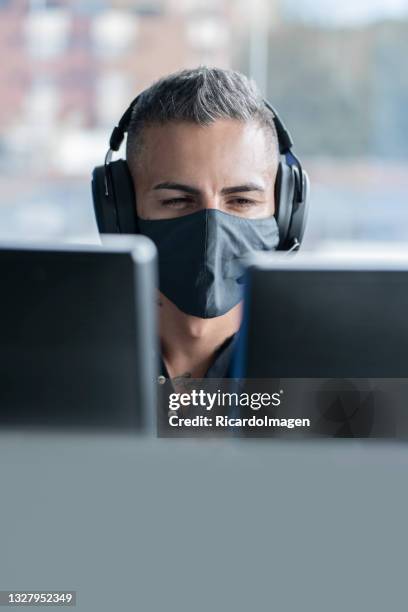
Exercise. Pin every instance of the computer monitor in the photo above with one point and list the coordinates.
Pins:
(78, 335)
(332, 337)
(307, 317)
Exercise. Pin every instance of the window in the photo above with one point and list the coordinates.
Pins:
(113, 32)
(47, 32)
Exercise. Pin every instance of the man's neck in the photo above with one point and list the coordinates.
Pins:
(189, 343)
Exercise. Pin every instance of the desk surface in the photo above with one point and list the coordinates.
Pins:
(194, 525)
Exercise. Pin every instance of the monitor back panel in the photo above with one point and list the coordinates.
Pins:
(75, 344)
(326, 324)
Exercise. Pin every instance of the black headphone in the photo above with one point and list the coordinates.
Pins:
(115, 203)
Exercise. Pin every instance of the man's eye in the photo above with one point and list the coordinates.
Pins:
(176, 202)
(242, 202)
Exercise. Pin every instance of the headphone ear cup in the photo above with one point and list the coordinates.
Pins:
(284, 196)
(103, 201)
(114, 199)
(300, 208)
(124, 194)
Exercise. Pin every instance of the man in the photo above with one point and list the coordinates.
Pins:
(203, 154)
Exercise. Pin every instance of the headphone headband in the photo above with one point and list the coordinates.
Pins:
(120, 130)
(284, 138)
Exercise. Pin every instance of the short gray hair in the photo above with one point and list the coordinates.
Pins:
(200, 95)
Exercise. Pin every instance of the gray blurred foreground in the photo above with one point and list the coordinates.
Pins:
(147, 524)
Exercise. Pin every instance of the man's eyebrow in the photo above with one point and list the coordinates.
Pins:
(194, 191)
(242, 188)
(178, 187)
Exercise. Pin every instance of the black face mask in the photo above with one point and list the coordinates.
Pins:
(202, 257)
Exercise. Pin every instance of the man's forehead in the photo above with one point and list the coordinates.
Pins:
(225, 146)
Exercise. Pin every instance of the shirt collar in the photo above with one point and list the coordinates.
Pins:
(220, 367)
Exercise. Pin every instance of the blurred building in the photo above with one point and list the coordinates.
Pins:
(70, 67)
(74, 66)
